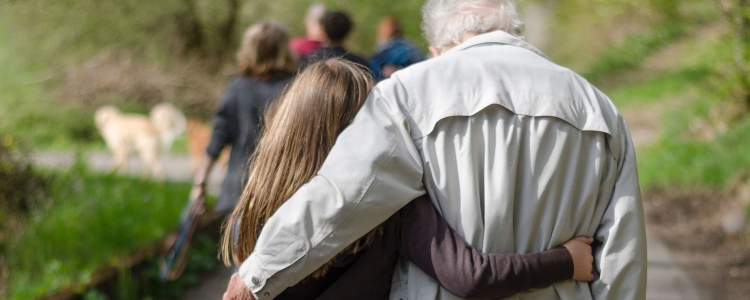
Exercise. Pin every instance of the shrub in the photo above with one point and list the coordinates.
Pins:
(21, 191)
(21, 188)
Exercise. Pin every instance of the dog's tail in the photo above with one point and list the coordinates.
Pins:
(170, 123)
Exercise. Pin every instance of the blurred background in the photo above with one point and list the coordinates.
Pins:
(677, 70)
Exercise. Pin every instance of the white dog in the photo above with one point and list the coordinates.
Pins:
(125, 133)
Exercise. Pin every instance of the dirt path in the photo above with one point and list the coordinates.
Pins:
(176, 167)
(643, 124)
(667, 280)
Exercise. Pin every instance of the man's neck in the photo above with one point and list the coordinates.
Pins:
(435, 52)
(468, 36)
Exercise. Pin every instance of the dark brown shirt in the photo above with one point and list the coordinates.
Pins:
(420, 234)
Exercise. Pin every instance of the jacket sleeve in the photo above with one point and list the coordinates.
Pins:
(225, 123)
(620, 257)
(428, 241)
(372, 171)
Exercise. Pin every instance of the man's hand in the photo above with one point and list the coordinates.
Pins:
(583, 261)
(237, 290)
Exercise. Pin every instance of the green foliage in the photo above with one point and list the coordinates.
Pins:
(28, 108)
(692, 76)
(202, 258)
(680, 158)
(20, 184)
(365, 14)
(77, 29)
(144, 281)
(21, 192)
(68, 30)
(660, 87)
(43, 42)
(683, 163)
(633, 51)
(737, 75)
(604, 37)
(95, 221)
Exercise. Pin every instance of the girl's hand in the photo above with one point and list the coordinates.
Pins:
(583, 261)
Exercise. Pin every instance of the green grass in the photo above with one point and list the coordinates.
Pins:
(684, 89)
(689, 91)
(144, 282)
(633, 51)
(681, 159)
(94, 221)
(660, 87)
(677, 162)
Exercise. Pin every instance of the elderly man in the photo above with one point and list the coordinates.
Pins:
(517, 153)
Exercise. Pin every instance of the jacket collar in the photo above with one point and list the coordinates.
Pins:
(494, 38)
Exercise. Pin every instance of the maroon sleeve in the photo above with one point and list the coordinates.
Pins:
(428, 241)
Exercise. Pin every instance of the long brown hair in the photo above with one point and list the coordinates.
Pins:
(264, 52)
(301, 129)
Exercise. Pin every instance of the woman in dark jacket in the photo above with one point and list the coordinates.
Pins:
(265, 68)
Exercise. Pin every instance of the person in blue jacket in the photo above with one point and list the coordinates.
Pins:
(393, 52)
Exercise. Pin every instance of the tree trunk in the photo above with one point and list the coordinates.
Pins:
(189, 29)
(741, 20)
(227, 30)
(737, 13)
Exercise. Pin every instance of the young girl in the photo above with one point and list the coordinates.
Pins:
(300, 130)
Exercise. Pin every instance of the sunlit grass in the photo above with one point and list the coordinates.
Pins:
(93, 221)
(682, 91)
(682, 159)
(681, 162)
(659, 88)
(634, 50)
(687, 94)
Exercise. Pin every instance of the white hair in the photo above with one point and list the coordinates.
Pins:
(446, 22)
(315, 13)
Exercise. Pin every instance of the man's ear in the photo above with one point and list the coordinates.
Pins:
(434, 51)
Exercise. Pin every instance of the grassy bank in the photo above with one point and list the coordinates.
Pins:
(91, 221)
(685, 94)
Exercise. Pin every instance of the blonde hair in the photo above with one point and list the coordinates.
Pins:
(264, 51)
(301, 129)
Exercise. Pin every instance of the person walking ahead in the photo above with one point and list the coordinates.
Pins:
(336, 25)
(517, 153)
(265, 67)
(394, 52)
